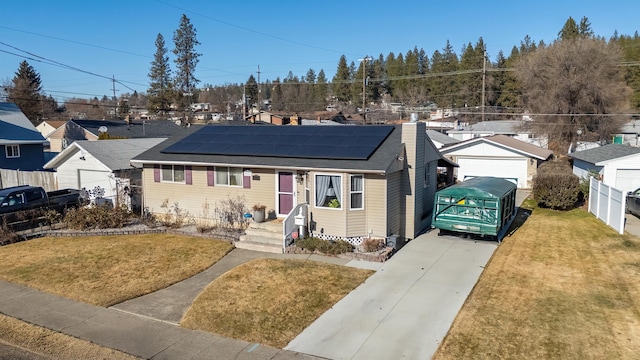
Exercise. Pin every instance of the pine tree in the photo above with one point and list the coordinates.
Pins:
(251, 90)
(569, 31)
(186, 59)
(342, 81)
(26, 92)
(160, 87)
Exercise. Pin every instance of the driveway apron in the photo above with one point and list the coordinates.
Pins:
(405, 309)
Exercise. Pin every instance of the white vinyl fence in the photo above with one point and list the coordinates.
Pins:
(46, 179)
(607, 204)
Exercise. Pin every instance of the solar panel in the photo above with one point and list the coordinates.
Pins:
(318, 142)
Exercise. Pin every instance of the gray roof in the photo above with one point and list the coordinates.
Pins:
(492, 126)
(441, 138)
(115, 154)
(132, 130)
(379, 161)
(604, 153)
(15, 127)
(503, 141)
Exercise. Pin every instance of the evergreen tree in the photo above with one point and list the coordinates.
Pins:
(25, 92)
(569, 31)
(251, 91)
(186, 59)
(277, 98)
(160, 87)
(321, 91)
(341, 82)
(584, 28)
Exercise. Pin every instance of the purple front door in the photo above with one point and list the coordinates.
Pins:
(285, 192)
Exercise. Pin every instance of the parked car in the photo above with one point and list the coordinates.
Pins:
(633, 202)
(14, 200)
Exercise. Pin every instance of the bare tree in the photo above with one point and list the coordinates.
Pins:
(575, 90)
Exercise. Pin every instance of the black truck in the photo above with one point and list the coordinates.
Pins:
(33, 201)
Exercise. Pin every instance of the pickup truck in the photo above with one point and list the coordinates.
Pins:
(35, 201)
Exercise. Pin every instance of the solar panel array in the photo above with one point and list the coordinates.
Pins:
(318, 142)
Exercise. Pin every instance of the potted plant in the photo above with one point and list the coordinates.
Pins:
(258, 212)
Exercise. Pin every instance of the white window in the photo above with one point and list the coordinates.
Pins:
(357, 192)
(173, 173)
(230, 176)
(12, 151)
(328, 191)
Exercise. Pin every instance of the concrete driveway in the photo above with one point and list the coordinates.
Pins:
(405, 309)
(632, 225)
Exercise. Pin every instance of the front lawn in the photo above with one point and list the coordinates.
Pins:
(271, 301)
(564, 286)
(106, 270)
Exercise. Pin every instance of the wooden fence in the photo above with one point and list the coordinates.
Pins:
(46, 179)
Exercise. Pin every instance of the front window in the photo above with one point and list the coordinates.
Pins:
(329, 191)
(12, 151)
(229, 176)
(173, 173)
(357, 192)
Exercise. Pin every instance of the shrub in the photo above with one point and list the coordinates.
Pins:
(174, 216)
(97, 217)
(555, 186)
(372, 245)
(7, 235)
(324, 246)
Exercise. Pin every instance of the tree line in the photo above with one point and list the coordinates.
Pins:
(579, 81)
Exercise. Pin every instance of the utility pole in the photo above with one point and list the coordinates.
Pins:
(484, 76)
(115, 100)
(259, 90)
(244, 101)
(364, 87)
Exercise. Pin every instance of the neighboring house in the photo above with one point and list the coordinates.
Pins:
(618, 165)
(48, 126)
(440, 139)
(358, 181)
(101, 167)
(21, 145)
(497, 156)
(75, 130)
(510, 128)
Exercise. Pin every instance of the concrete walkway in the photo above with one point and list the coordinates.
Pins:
(405, 309)
(632, 225)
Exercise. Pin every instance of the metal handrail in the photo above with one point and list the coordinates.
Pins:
(289, 226)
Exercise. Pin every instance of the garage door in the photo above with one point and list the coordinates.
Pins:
(514, 170)
(90, 179)
(627, 180)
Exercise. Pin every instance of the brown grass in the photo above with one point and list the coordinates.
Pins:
(106, 270)
(564, 286)
(271, 301)
(53, 344)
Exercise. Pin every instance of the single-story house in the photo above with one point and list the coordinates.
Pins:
(355, 181)
(511, 128)
(102, 168)
(497, 156)
(46, 127)
(617, 164)
(21, 145)
(75, 129)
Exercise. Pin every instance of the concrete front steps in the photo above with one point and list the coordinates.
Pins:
(265, 236)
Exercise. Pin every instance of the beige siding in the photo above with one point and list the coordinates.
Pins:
(329, 221)
(192, 198)
(372, 219)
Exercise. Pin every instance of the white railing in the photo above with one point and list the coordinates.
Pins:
(607, 204)
(289, 224)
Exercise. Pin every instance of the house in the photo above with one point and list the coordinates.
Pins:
(101, 167)
(629, 133)
(21, 145)
(440, 139)
(497, 156)
(354, 182)
(510, 128)
(46, 127)
(75, 129)
(618, 165)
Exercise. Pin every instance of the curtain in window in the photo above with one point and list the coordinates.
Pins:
(235, 176)
(337, 187)
(222, 175)
(167, 173)
(178, 173)
(322, 189)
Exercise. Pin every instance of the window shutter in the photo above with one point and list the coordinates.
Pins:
(210, 174)
(156, 173)
(187, 175)
(246, 181)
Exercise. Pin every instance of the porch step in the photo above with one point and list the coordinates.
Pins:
(258, 246)
(262, 238)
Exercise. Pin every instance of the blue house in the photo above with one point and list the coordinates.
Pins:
(21, 145)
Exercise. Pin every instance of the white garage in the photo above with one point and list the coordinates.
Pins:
(627, 179)
(512, 169)
(497, 156)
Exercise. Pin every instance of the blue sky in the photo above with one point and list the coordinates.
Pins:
(117, 38)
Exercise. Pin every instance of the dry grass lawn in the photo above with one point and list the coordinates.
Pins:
(271, 301)
(106, 270)
(564, 286)
(53, 344)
